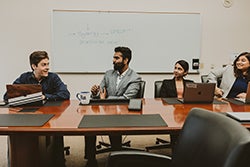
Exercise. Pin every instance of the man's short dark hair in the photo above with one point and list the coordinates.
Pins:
(126, 52)
(37, 56)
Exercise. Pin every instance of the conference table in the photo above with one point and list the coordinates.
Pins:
(28, 145)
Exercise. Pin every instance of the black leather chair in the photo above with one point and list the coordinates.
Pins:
(157, 89)
(204, 79)
(142, 89)
(207, 139)
(136, 159)
(125, 145)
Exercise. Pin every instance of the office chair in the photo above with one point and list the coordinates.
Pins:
(125, 145)
(160, 143)
(141, 91)
(207, 139)
(204, 79)
(157, 87)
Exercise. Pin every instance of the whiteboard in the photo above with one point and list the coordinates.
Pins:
(84, 41)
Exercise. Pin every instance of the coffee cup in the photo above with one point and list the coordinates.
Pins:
(83, 97)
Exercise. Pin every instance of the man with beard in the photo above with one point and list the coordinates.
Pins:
(120, 82)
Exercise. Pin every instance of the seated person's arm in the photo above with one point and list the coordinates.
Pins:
(213, 77)
(218, 92)
(132, 89)
(130, 92)
(60, 91)
(168, 89)
(241, 95)
(95, 90)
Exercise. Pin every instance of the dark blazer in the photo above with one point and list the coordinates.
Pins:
(168, 88)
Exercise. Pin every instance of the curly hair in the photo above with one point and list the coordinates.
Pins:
(239, 73)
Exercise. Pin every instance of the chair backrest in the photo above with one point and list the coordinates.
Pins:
(157, 85)
(210, 139)
(204, 79)
(136, 158)
(140, 94)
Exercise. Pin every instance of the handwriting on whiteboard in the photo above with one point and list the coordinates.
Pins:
(91, 36)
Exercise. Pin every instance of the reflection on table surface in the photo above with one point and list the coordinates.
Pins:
(69, 114)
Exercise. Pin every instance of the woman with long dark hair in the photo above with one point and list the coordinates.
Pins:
(234, 78)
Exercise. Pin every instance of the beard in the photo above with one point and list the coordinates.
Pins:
(119, 66)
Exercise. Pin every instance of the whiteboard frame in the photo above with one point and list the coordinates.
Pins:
(191, 71)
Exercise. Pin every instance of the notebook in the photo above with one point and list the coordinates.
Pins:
(2, 103)
(242, 100)
(21, 94)
(240, 116)
(198, 93)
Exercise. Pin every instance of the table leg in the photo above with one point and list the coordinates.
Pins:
(27, 150)
(173, 139)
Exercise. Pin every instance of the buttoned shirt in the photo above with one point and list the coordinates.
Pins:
(52, 86)
(119, 77)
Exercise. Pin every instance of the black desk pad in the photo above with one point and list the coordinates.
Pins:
(99, 121)
(219, 102)
(107, 102)
(53, 103)
(234, 101)
(24, 119)
(29, 109)
(171, 101)
(176, 101)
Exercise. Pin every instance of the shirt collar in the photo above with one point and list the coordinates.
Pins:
(33, 76)
(123, 74)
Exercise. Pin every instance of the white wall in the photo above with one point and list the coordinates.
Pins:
(26, 26)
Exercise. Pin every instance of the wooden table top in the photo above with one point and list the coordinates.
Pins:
(69, 114)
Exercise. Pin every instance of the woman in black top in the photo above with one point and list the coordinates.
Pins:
(175, 87)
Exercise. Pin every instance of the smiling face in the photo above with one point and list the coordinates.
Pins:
(179, 71)
(242, 63)
(42, 69)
